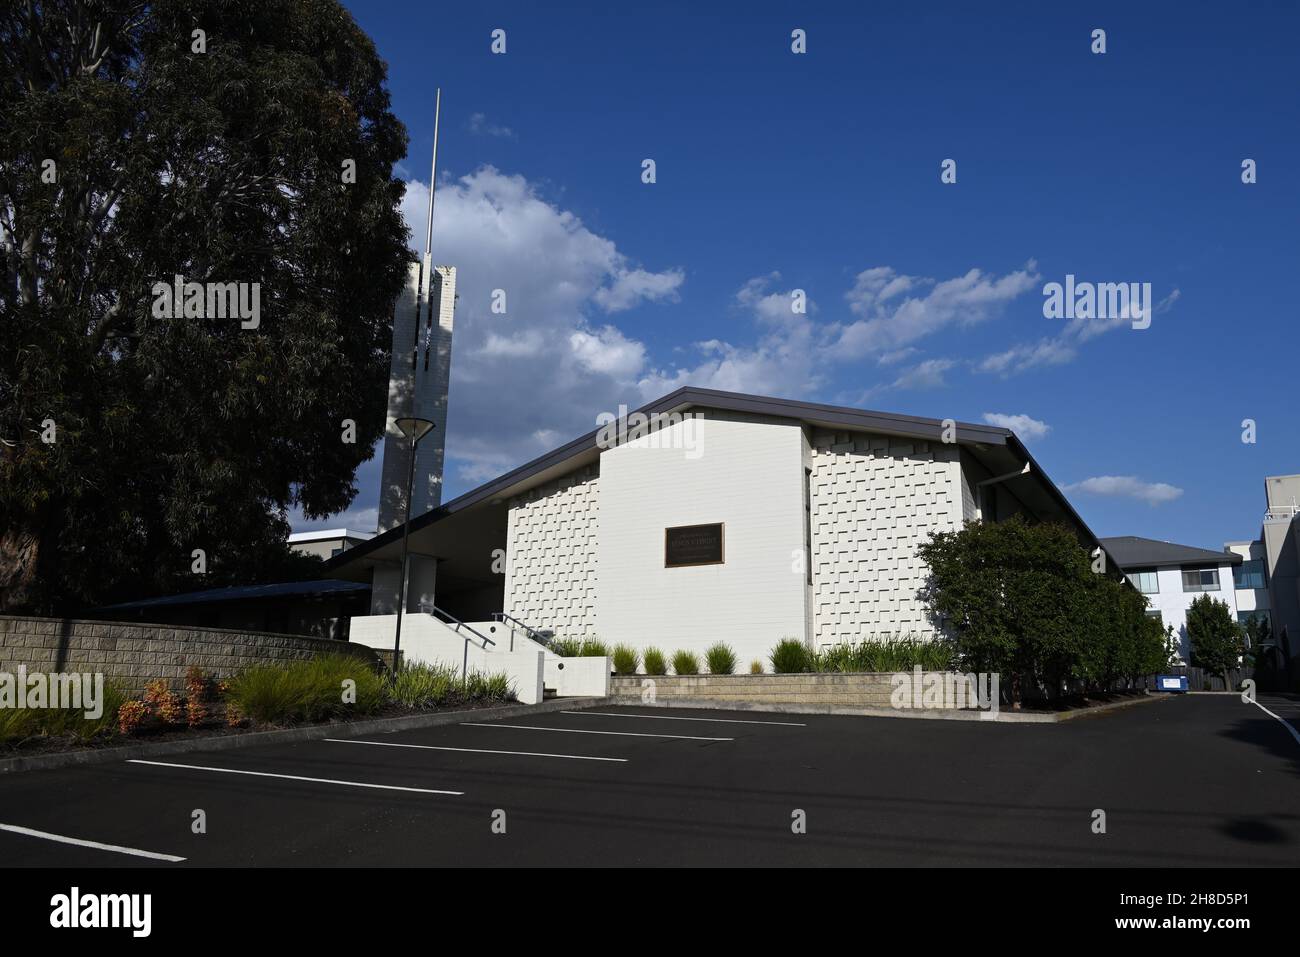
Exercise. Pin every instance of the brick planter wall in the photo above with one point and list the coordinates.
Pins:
(845, 690)
(132, 654)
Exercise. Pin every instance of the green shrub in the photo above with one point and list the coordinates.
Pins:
(756, 667)
(790, 656)
(593, 648)
(421, 685)
(19, 725)
(579, 648)
(685, 663)
(1022, 600)
(484, 687)
(654, 661)
(721, 659)
(306, 690)
(1217, 641)
(625, 660)
(567, 647)
(888, 654)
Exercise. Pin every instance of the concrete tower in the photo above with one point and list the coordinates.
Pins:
(418, 379)
(417, 386)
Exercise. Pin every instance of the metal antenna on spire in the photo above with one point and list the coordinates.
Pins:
(433, 176)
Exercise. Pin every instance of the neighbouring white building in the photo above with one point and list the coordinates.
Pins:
(1173, 576)
(327, 542)
(1269, 580)
(713, 516)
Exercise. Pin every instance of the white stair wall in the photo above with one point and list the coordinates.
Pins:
(429, 640)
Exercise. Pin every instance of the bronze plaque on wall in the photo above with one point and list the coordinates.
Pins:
(693, 545)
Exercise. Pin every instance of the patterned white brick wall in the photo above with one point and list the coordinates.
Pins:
(875, 499)
(552, 563)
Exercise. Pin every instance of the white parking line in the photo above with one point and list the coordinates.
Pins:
(666, 717)
(622, 734)
(115, 848)
(1285, 723)
(294, 777)
(431, 747)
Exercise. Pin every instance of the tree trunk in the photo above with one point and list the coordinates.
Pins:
(1015, 691)
(20, 551)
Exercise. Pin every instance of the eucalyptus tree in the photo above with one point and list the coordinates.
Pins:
(240, 151)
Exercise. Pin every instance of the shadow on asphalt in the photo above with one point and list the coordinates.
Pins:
(1266, 733)
(1255, 830)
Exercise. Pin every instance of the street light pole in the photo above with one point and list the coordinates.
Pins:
(414, 429)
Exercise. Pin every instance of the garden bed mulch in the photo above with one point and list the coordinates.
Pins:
(1082, 702)
(212, 727)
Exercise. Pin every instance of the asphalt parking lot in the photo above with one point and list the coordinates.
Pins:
(1203, 780)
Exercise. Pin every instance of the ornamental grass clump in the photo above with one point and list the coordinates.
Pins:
(625, 660)
(790, 656)
(593, 648)
(420, 686)
(332, 686)
(721, 659)
(888, 654)
(685, 663)
(654, 661)
(19, 726)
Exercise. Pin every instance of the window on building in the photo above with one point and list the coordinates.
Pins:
(1144, 580)
(807, 525)
(336, 551)
(1153, 613)
(1250, 575)
(1259, 614)
(1200, 579)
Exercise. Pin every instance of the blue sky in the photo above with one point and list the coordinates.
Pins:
(821, 172)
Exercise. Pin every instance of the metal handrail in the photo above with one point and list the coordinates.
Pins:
(533, 633)
(464, 660)
(449, 617)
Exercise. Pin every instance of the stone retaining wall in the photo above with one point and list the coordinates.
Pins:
(865, 690)
(132, 654)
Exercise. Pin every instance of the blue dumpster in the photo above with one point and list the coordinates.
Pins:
(1171, 683)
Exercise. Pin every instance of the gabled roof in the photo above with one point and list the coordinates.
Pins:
(987, 439)
(1133, 552)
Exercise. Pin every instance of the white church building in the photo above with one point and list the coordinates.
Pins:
(710, 516)
(704, 516)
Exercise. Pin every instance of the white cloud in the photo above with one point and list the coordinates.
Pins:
(785, 360)
(633, 286)
(891, 318)
(897, 356)
(479, 125)
(608, 351)
(1019, 358)
(1127, 486)
(793, 353)
(1063, 347)
(1029, 429)
(776, 308)
(545, 364)
(924, 375)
